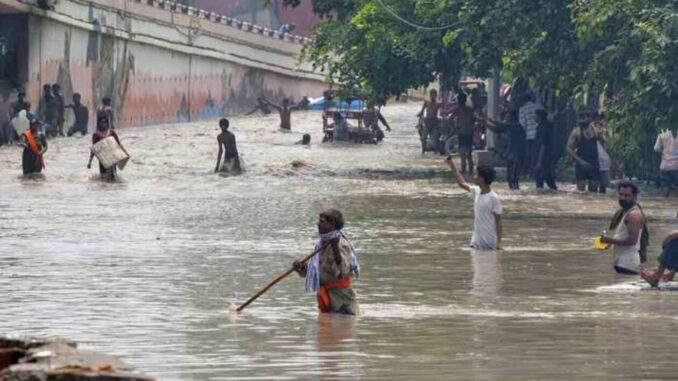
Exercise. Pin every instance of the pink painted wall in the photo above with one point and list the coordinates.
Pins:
(272, 16)
(148, 84)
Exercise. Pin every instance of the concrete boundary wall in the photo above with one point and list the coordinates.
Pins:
(159, 65)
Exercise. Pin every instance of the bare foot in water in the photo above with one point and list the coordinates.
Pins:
(668, 276)
(649, 276)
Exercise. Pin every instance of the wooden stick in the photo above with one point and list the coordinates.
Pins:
(283, 276)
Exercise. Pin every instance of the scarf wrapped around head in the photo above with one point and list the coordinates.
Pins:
(313, 267)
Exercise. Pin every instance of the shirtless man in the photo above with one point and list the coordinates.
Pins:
(371, 119)
(106, 110)
(372, 116)
(47, 111)
(431, 108)
(81, 113)
(466, 120)
(228, 148)
(285, 113)
(261, 105)
(60, 107)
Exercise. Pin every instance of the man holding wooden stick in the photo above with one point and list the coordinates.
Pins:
(329, 273)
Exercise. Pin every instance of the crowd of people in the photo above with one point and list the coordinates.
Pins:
(530, 150)
(50, 114)
(531, 147)
(20, 125)
(329, 274)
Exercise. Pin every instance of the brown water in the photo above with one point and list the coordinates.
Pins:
(148, 269)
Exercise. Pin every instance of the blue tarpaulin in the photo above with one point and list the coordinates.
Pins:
(319, 104)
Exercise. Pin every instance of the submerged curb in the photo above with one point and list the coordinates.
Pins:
(54, 359)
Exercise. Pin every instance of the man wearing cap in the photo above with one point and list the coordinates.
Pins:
(582, 147)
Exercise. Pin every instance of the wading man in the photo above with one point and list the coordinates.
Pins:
(104, 131)
(516, 145)
(60, 109)
(431, 119)
(47, 111)
(487, 225)
(465, 123)
(35, 146)
(285, 112)
(330, 272)
(106, 110)
(81, 113)
(228, 149)
(667, 145)
(583, 149)
(628, 229)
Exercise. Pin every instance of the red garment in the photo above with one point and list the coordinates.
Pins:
(324, 295)
(97, 136)
(34, 147)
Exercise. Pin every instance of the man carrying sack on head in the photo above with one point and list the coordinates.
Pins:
(329, 273)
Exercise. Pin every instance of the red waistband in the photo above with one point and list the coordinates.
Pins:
(324, 302)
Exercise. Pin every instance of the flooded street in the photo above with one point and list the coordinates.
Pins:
(148, 269)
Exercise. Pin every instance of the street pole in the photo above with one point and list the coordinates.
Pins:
(493, 87)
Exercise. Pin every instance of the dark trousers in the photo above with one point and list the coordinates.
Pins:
(513, 168)
(531, 152)
(545, 174)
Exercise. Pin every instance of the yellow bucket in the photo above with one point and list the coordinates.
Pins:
(599, 245)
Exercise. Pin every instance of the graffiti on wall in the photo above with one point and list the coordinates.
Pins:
(110, 78)
(184, 88)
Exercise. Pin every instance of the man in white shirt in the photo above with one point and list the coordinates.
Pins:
(486, 207)
(527, 119)
(667, 145)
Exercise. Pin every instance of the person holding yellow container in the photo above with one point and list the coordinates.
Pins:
(629, 235)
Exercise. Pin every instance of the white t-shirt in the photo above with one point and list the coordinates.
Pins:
(603, 158)
(485, 206)
(528, 120)
(667, 145)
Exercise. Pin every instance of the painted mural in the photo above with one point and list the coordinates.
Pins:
(273, 15)
(148, 84)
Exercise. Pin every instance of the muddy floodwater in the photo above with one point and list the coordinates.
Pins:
(149, 268)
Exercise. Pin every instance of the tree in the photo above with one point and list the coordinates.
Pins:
(625, 49)
(635, 46)
(362, 47)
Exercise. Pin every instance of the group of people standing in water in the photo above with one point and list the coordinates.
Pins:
(329, 274)
(34, 141)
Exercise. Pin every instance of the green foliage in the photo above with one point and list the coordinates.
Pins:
(375, 53)
(624, 48)
(634, 45)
